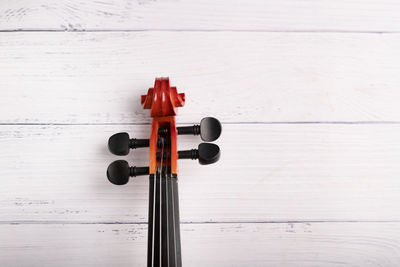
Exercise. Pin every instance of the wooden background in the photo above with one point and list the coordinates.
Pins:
(308, 93)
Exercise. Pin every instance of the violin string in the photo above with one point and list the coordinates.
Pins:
(167, 197)
(173, 219)
(154, 216)
(161, 174)
(173, 209)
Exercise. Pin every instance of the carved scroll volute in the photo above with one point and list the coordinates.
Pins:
(162, 99)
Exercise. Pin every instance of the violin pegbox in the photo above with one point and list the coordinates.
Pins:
(163, 101)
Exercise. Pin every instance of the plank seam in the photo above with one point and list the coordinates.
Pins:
(202, 222)
(181, 123)
(197, 30)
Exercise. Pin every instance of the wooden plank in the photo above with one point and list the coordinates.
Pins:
(248, 77)
(312, 172)
(282, 244)
(262, 15)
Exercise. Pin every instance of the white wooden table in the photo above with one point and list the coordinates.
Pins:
(308, 93)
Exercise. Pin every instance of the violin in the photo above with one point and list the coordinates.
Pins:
(164, 244)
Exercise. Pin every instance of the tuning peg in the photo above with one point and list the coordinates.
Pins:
(206, 153)
(119, 172)
(119, 143)
(209, 129)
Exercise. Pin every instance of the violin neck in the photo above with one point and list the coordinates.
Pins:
(164, 243)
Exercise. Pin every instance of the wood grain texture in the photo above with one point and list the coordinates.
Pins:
(239, 77)
(312, 172)
(251, 15)
(283, 244)
(309, 95)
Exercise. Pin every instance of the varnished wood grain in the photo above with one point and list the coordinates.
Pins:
(312, 172)
(282, 244)
(238, 77)
(253, 15)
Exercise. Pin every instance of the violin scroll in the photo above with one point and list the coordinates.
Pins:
(162, 99)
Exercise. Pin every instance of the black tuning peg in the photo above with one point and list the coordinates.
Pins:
(120, 143)
(119, 172)
(206, 153)
(209, 129)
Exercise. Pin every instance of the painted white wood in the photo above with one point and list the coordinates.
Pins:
(264, 15)
(245, 62)
(239, 77)
(283, 244)
(311, 172)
